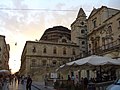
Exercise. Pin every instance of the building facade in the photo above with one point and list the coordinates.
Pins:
(99, 33)
(104, 32)
(4, 53)
(46, 55)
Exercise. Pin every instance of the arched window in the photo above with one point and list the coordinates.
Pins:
(64, 50)
(0, 62)
(119, 38)
(44, 50)
(94, 23)
(54, 62)
(64, 40)
(82, 23)
(33, 62)
(90, 46)
(103, 41)
(119, 23)
(54, 50)
(109, 29)
(82, 31)
(83, 42)
(34, 49)
(44, 62)
(73, 51)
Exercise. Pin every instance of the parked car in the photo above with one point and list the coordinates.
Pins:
(114, 86)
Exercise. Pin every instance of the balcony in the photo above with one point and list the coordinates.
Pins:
(110, 47)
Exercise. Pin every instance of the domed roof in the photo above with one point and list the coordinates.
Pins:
(58, 28)
(55, 33)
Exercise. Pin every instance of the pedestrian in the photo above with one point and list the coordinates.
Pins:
(68, 78)
(29, 82)
(69, 82)
(22, 79)
(15, 79)
(18, 77)
(76, 80)
(85, 83)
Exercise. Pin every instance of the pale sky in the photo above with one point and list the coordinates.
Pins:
(38, 15)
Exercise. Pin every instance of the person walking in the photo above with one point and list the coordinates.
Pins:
(85, 83)
(29, 82)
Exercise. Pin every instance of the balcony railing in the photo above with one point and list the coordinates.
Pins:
(113, 46)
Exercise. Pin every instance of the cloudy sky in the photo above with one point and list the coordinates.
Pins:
(22, 20)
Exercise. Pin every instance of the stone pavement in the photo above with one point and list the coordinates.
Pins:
(42, 86)
(35, 86)
(16, 86)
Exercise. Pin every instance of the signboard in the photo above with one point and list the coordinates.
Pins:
(53, 75)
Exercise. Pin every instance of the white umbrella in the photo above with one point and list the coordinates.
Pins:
(97, 60)
(91, 62)
(99, 63)
(5, 72)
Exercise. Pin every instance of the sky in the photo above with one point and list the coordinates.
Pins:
(23, 20)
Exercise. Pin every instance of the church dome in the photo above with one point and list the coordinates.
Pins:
(55, 33)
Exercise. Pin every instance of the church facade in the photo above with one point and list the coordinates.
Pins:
(104, 32)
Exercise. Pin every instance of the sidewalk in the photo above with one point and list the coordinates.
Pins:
(42, 86)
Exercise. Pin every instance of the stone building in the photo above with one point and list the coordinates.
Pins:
(99, 33)
(103, 27)
(40, 58)
(4, 53)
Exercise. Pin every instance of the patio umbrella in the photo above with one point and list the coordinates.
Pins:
(98, 63)
(4, 72)
(91, 62)
(97, 60)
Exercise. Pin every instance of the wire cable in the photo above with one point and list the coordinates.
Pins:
(30, 9)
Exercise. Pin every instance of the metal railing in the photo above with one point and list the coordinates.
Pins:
(99, 86)
(113, 46)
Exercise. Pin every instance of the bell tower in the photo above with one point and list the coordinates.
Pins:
(79, 32)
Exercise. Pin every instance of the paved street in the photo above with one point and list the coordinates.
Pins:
(16, 86)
